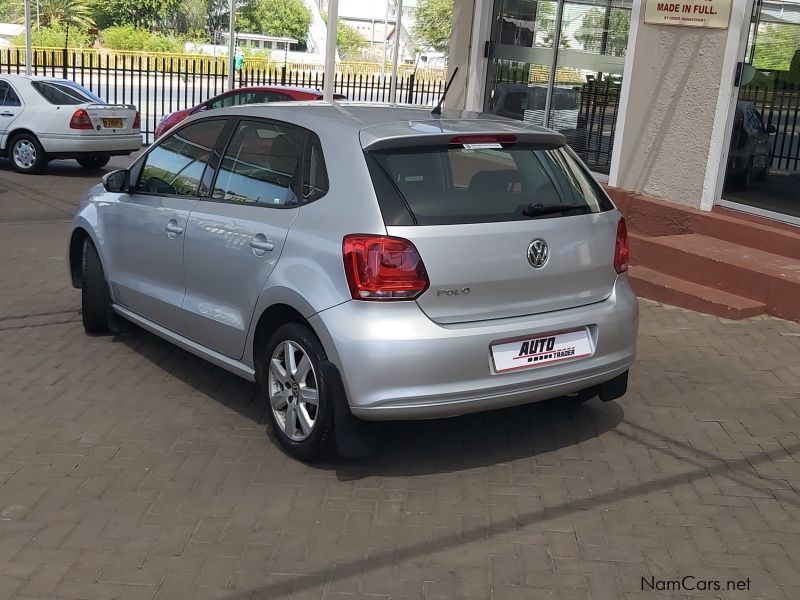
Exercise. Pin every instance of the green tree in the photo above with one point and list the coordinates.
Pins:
(590, 33)
(434, 22)
(349, 40)
(10, 11)
(140, 13)
(75, 14)
(776, 47)
(287, 18)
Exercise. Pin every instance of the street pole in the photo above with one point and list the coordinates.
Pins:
(28, 53)
(385, 39)
(232, 46)
(330, 51)
(396, 59)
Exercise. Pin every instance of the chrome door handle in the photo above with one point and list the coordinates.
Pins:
(173, 228)
(261, 243)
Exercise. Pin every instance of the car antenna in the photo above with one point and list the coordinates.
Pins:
(438, 110)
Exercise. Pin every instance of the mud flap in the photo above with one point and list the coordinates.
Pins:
(354, 437)
(616, 388)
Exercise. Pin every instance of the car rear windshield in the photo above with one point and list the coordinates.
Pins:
(436, 185)
(67, 93)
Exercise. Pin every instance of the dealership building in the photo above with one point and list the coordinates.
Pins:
(687, 110)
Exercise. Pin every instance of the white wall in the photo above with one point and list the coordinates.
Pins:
(674, 109)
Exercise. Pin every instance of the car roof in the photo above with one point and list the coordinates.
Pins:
(23, 77)
(273, 88)
(377, 123)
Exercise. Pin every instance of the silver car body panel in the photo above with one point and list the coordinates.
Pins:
(409, 359)
(230, 251)
(403, 365)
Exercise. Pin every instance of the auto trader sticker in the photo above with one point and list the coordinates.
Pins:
(536, 351)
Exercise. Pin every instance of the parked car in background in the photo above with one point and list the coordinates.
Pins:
(527, 103)
(750, 154)
(366, 262)
(239, 96)
(42, 118)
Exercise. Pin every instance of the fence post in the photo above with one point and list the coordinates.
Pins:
(64, 58)
(410, 92)
(283, 75)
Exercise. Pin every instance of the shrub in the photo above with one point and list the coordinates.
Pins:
(55, 36)
(128, 37)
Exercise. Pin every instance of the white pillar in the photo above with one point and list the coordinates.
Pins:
(28, 53)
(472, 25)
(330, 51)
(398, 24)
(674, 115)
(232, 45)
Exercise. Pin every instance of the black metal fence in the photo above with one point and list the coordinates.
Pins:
(777, 98)
(160, 85)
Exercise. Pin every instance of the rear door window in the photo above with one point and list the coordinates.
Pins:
(62, 94)
(453, 184)
(261, 165)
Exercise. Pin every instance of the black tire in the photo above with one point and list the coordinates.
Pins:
(319, 443)
(93, 162)
(26, 154)
(96, 308)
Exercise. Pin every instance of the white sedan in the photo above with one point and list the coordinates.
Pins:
(43, 118)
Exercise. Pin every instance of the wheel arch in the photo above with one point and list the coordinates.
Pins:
(268, 322)
(76, 241)
(15, 132)
(78, 237)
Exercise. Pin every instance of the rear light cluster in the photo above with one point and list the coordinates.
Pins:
(383, 268)
(137, 121)
(622, 252)
(80, 120)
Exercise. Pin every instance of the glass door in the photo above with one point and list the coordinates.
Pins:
(559, 64)
(763, 166)
(521, 59)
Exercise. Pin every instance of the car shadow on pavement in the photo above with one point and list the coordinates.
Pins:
(406, 448)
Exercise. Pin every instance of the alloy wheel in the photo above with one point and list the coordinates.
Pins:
(24, 154)
(293, 391)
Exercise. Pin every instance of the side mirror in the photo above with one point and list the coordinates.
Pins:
(117, 181)
(772, 129)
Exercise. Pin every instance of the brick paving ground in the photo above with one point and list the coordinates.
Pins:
(130, 469)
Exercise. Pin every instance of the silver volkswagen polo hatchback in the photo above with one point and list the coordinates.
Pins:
(366, 263)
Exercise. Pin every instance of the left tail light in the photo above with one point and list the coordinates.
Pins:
(622, 251)
(383, 268)
(80, 120)
(137, 121)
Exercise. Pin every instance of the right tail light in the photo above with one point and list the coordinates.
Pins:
(622, 251)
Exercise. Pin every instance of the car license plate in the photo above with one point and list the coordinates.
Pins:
(541, 350)
(112, 123)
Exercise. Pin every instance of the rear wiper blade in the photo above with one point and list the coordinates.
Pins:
(538, 210)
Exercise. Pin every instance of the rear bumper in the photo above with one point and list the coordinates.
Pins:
(398, 364)
(72, 146)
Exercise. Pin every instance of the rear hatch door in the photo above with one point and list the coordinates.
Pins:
(504, 229)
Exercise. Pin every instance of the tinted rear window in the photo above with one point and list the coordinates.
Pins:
(452, 184)
(62, 94)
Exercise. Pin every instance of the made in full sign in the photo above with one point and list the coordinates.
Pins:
(694, 9)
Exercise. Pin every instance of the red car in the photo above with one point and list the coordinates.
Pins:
(239, 96)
